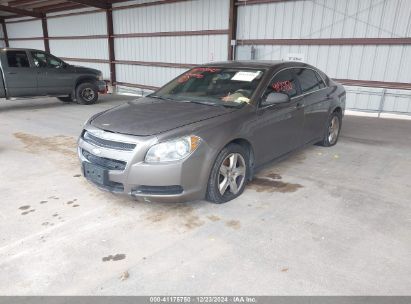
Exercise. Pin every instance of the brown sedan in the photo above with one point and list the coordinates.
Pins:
(205, 133)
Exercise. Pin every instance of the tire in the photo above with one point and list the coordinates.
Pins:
(65, 99)
(86, 93)
(332, 130)
(233, 155)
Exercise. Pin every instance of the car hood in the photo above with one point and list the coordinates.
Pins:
(85, 70)
(150, 116)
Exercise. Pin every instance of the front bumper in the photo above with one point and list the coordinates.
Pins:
(128, 174)
(101, 86)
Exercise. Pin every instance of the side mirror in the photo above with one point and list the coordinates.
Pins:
(275, 98)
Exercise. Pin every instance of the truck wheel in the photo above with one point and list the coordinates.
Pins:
(228, 175)
(86, 93)
(65, 99)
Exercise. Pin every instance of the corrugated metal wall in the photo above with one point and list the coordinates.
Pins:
(153, 43)
(23, 30)
(2, 42)
(196, 15)
(338, 19)
(90, 24)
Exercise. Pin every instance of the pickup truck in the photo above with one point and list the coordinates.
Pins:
(32, 73)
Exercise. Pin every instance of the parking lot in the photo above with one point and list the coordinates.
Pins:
(324, 221)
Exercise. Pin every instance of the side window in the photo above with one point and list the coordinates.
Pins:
(43, 60)
(320, 80)
(283, 82)
(54, 62)
(39, 59)
(309, 80)
(17, 59)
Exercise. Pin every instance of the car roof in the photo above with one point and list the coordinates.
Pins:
(259, 64)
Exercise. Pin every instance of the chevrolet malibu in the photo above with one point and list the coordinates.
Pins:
(205, 133)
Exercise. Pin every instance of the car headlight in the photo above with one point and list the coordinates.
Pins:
(173, 150)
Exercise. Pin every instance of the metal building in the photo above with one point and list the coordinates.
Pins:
(140, 45)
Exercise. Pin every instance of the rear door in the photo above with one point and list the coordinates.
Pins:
(316, 103)
(53, 76)
(280, 125)
(20, 77)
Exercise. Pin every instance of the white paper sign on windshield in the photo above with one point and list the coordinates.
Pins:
(245, 76)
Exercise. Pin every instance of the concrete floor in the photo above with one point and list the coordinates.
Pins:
(337, 222)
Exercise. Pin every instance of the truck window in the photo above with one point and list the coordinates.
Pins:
(17, 59)
(44, 60)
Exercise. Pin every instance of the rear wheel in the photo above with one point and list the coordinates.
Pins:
(65, 99)
(86, 93)
(332, 130)
(228, 175)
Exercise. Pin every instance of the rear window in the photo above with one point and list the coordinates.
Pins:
(309, 80)
(17, 59)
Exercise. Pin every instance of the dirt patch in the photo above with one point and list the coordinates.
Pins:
(28, 211)
(24, 207)
(233, 224)
(365, 141)
(64, 145)
(213, 218)
(43, 202)
(116, 257)
(124, 276)
(193, 221)
(270, 183)
(180, 213)
(298, 157)
(274, 176)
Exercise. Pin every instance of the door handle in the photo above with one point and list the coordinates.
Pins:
(11, 73)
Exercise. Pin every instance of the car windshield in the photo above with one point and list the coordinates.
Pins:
(229, 87)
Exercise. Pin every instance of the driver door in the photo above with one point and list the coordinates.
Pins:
(53, 77)
(280, 125)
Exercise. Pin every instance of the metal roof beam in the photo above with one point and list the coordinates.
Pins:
(20, 12)
(92, 3)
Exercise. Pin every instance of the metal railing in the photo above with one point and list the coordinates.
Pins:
(399, 102)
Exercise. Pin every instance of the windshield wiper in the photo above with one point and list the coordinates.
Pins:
(232, 105)
(200, 102)
(213, 104)
(160, 97)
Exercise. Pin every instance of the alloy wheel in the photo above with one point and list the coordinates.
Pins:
(232, 174)
(87, 94)
(333, 130)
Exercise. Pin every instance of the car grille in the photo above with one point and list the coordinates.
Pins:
(159, 190)
(107, 163)
(104, 143)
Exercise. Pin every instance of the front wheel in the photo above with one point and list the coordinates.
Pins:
(332, 130)
(86, 93)
(228, 175)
